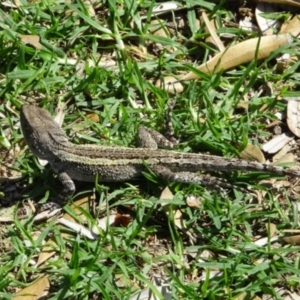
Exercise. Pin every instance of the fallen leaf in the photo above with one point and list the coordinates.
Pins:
(286, 2)
(78, 228)
(90, 8)
(265, 241)
(247, 25)
(160, 29)
(18, 3)
(293, 117)
(193, 201)
(271, 228)
(211, 28)
(164, 7)
(283, 62)
(103, 223)
(47, 252)
(93, 117)
(284, 152)
(241, 53)
(265, 24)
(36, 290)
(170, 84)
(252, 153)
(32, 40)
(292, 26)
(83, 203)
(246, 296)
(287, 158)
(277, 143)
(167, 195)
(292, 240)
(9, 4)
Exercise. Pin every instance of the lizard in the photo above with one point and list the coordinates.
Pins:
(48, 141)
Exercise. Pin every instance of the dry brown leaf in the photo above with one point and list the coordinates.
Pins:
(193, 201)
(292, 26)
(282, 153)
(292, 240)
(170, 84)
(93, 117)
(121, 281)
(165, 7)
(203, 257)
(283, 63)
(265, 241)
(287, 158)
(104, 223)
(18, 3)
(89, 8)
(246, 296)
(36, 290)
(293, 114)
(7, 214)
(75, 207)
(78, 228)
(161, 30)
(279, 184)
(46, 214)
(266, 25)
(277, 143)
(60, 113)
(271, 228)
(211, 28)
(88, 5)
(269, 184)
(167, 195)
(8, 158)
(46, 252)
(32, 40)
(291, 230)
(8, 3)
(116, 220)
(252, 153)
(247, 24)
(286, 2)
(243, 105)
(241, 53)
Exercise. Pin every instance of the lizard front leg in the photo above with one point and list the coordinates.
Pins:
(152, 139)
(64, 196)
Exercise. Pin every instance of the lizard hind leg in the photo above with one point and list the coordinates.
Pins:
(152, 139)
(201, 179)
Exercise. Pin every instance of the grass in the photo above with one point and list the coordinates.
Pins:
(214, 255)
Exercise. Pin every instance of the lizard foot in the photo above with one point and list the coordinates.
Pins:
(51, 205)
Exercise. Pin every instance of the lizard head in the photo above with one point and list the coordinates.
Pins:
(41, 133)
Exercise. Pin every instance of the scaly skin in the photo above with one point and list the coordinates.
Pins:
(83, 162)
